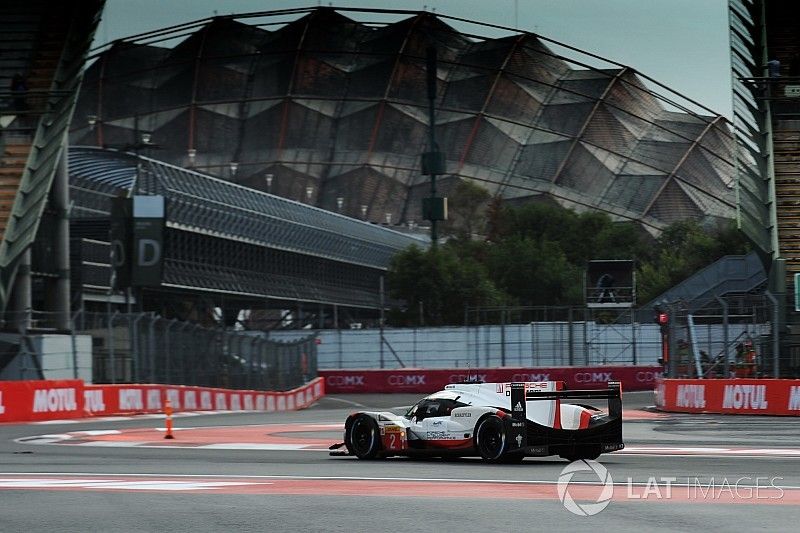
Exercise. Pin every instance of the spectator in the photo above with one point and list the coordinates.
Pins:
(604, 288)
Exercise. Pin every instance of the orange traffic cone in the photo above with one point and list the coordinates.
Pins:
(168, 412)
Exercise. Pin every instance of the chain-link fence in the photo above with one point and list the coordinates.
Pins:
(559, 336)
(143, 347)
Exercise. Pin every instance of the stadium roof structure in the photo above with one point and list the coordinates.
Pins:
(209, 205)
(313, 101)
(226, 237)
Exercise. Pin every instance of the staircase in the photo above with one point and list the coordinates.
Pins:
(730, 274)
(46, 43)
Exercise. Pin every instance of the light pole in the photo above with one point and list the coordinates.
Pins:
(269, 178)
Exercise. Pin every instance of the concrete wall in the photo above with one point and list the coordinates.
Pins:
(58, 356)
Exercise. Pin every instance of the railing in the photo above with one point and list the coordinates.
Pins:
(146, 348)
(732, 273)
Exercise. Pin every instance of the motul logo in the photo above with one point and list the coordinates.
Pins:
(131, 400)
(236, 402)
(794, 399)
(174, 397)
(205, 401)
(93, 401)
(190, 400)
(745, 397)
(54, 400)
(692, 396)
(154, 399)
(220, 401)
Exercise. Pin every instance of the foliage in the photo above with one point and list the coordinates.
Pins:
(467, 204)
(536, 254)
(443, 281)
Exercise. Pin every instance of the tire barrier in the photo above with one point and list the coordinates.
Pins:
(425, 380)
(729, 396)
(22, 401)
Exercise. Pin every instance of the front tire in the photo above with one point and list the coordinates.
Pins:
(362, 438)
(490, 439)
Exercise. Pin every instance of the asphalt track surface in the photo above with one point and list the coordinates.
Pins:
(270, 472)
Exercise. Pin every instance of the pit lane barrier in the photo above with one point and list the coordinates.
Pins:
(24, 401)
(427, 380)
(729, 396)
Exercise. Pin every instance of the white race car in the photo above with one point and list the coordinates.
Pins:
(500, 422)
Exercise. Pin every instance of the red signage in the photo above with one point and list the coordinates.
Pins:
(426, 380)
(53, 400)
(734, 396)
(40, 400)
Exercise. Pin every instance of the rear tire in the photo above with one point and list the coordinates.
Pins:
(361, 437)
(490, 439)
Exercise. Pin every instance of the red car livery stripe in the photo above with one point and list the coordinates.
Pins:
(450, 444)
(586, 416)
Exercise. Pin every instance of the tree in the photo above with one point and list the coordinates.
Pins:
(466, 205)
(442, 281)
(682, 249)
(534, 272)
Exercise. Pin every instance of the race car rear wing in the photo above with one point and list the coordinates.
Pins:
(517, 430)
(613, 394)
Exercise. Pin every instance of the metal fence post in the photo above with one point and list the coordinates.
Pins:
(152, 346)
(775, 332)
(111, 360)
(135, 342)
(503, 337)
(167, 354)
(725, 336)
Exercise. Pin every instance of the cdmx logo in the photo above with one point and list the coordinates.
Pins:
(566, 484)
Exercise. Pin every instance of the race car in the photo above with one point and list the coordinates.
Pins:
(500, 422)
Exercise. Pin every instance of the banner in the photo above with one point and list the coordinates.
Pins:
(734, 396)
(40, 400)
(55, 400)
(427, 380)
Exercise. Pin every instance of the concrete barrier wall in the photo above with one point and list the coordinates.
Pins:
(22, 401)
(427, 380)
(729, 396)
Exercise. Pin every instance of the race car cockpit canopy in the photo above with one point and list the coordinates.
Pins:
(437, 404)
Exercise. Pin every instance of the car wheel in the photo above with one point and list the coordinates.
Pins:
(490, 438)
(362, 437)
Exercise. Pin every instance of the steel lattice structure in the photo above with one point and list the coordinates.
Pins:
(313, 100)
(225, 238)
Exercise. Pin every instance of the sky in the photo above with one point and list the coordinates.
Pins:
(680, 43)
